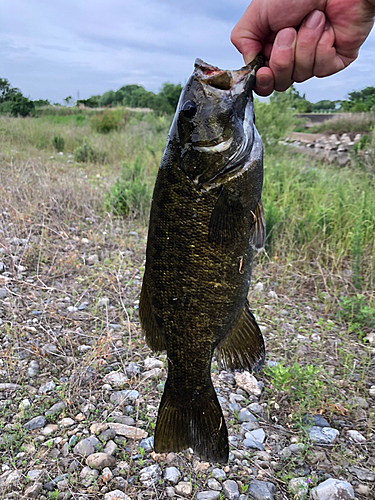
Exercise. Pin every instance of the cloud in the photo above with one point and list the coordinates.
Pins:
(52, 49)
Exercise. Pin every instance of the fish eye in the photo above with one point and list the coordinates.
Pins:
(189, 109)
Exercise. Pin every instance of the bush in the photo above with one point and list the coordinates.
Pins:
(86, 153)
(58, 143)
(21, 105)
(130, 193)
(105, 122)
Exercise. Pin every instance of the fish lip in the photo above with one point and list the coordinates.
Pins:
(215, 147)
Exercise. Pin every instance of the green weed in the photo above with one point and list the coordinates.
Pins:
(58, 143)
(357, 312)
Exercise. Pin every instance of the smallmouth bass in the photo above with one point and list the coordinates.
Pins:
(206, 218)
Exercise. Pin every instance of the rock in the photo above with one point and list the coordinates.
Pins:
(363, 474)
(147, 444)
(103, 302)
(116, 379)
(169, 490)
(248, 383)
(55, 409)
(33, 369)
(333, 489)
(66, 422)
(257, 435)
(121, 397)
(3, 291)
(227, 377)
(116, 495)
(128, 431)
(35, 423)
(361, 402)
(106, 475)
(213, 484)
(150, 475)
(49, 429)
(316, 420)
(88, 476)
(100, 460)
(323, 435)
(218, 474)
(151, 363)
(208, 495)
(184, 489)
(272, 295)
(97, 428)
(356, 436)
(35, 474)
(299, 487)
(261, 490)
(256, 408)
(33, 490)
(293, 449)
(250, 443)
(230, 489)
(259, 287)
(172, 474)
(372, 391)
(87, 446)
(110, 447)
(48, 387)
(362, 489)
(132, 370)
(245, 416)
(92, 259)
(154, 373)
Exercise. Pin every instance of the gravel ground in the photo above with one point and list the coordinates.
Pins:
(79, 389)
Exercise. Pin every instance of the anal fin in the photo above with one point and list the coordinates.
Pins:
(258, 229)
(243, 346)
(154, 337)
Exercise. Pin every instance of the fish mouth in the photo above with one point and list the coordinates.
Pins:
(215, 148)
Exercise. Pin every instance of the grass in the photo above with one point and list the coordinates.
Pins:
(356, 123)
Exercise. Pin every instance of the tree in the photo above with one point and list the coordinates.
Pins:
(68, 100)
(360, 100)
(21, 105)
(6, 91)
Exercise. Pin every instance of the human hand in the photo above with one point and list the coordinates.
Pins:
(301, 39)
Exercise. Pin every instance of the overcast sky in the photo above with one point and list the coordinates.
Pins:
(54, 48)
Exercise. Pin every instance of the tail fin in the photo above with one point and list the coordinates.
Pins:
(196, 423)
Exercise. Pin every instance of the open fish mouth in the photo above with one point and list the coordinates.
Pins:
(216, 148)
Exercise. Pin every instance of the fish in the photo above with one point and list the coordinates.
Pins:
(206, 220)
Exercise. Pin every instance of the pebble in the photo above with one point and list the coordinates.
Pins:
(87, 446)
(257, 435)
(218, 474)
(150, 475)
(35, 423)
(363, 474)
(116, 379)
(100, 460)
(48, 387)
(128, 431)
(120, 397)
(116, 495)
(299, 487)
(316, 420)
(66, 422)
(33, 490)
(55, 409)
(230, 489)
(333, 489)
(132, 370)
(323, 435)
(248, 383)
(110, 447)
(49, 429)
(3, 291)
(151, 363)
(35, 474)
(88, 476)
(208, 495)
(213, 484)
(172, 474)
(92, 259)
(33, 369)
(184, 488)
(250, 443)
(261, 490)
(356, 436)
(148, 443)
(245, 416)
(103, 302)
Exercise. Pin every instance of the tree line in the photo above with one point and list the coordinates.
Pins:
(13, 102)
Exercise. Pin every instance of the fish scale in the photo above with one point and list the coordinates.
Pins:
(206, 216)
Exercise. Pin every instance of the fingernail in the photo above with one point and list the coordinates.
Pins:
(313, 19)
(285, 38)
(327, 25)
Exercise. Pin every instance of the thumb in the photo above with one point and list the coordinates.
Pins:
(246, 42)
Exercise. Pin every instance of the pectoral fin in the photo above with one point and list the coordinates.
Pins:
(243, 347)
(226, 221)
(153, 335)
(258, 230)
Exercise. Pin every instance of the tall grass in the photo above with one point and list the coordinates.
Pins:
(355, 123)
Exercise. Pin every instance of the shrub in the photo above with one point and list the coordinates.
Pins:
(105, 122)
(130, 193)
(58, 143)
(21, 105)
(357, 312)
(86, 153)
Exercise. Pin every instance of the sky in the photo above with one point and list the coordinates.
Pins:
(52, 49)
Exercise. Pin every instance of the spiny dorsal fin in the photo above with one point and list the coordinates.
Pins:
(258, 230)
(243, 347)
(154, 337)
